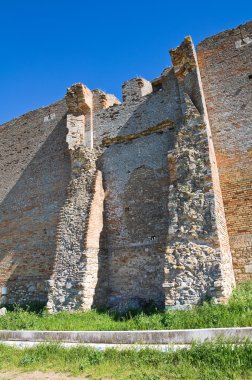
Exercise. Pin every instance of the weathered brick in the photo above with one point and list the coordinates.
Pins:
(119, 205)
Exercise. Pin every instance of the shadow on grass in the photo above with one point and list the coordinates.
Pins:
(147, 309)
(33, 307)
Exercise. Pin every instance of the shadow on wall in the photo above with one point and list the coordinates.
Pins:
(133, 240)
(29, 215)
(136, 215)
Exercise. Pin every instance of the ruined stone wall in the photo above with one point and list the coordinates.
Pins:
(68, 283)
(136, 217)
(74, 277)
(34, 174)
(119, 204)
(225, 62)
(198, 260)
(135, 137)
(139, 111)
(165, 235)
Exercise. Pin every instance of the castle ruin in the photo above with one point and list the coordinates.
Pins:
(109, 204)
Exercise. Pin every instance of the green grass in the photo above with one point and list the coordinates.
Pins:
(208, 361)
(237, 313)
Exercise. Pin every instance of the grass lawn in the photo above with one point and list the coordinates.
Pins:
(204, 362)
(237, 313)
(209, 361)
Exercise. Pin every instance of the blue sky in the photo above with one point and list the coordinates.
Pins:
(48, 45)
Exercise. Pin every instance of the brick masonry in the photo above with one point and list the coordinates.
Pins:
(35, 172)
(225, 62)
(109, 204)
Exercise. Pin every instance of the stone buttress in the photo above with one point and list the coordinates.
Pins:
(72, 285)
(198, 258)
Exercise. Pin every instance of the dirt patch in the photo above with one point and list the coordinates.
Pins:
(38, 376)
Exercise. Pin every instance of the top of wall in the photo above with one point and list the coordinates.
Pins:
(134, 89)
(46, 111)
(218, 37)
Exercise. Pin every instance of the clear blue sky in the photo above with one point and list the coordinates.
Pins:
(48, 45)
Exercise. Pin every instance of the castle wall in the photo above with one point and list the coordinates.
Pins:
(135, 137)
(139, 112)
(109, 204)
(74, 275)
(34, 173)
(154, 234)
(136, 216)
(198, 259)
(225, 62)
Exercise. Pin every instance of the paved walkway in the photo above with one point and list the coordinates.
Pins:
(124, 339)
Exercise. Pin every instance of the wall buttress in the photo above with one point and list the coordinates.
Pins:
(198, 258)
(74, 279)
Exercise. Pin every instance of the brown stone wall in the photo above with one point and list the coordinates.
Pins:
(71, 285)
(136, 218)
(34, 173)
(74, 277)
(135, 137)
(225, 62)
(109, 204)
(198, 260)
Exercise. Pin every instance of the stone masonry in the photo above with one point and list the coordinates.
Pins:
(122, 205)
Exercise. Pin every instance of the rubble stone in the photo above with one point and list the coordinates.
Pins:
(132, 204)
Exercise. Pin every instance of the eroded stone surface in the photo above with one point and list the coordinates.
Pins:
(109, 204)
